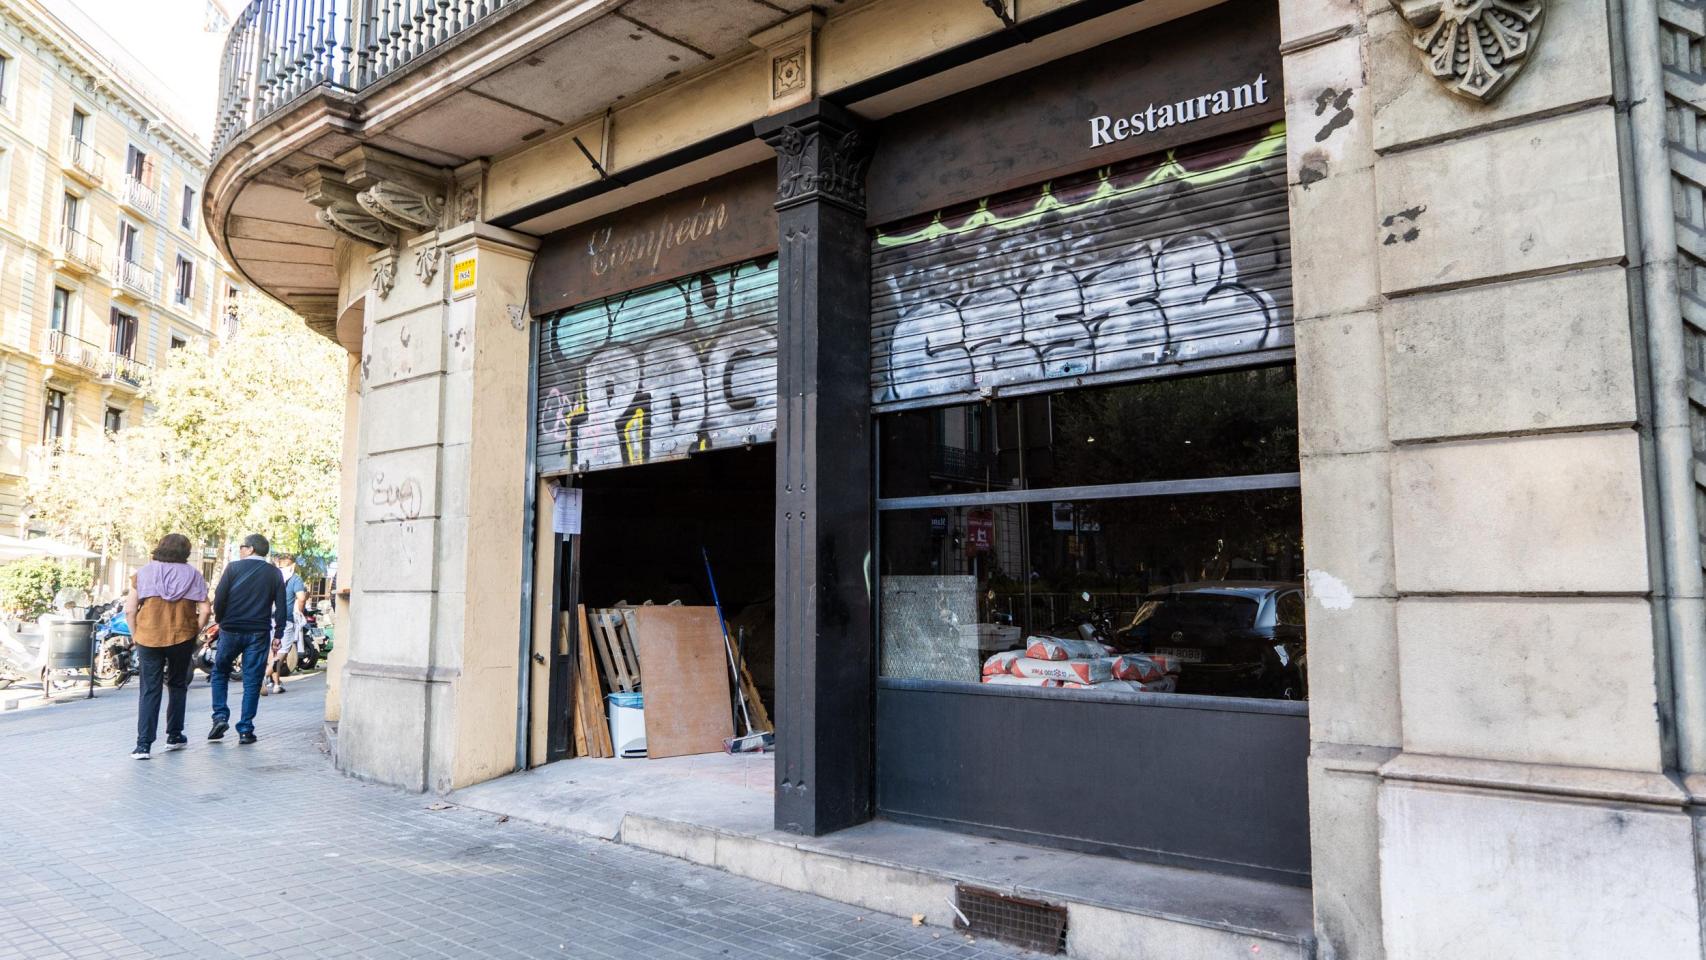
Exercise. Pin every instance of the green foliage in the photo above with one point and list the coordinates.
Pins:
(246, 439)
(27, 586)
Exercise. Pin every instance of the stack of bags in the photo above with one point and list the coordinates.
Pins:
(1058, 662)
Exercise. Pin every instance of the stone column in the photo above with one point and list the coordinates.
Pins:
(824, 643)
(430, 691)
(1489, 773)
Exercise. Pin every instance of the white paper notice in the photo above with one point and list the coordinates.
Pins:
(566, 511)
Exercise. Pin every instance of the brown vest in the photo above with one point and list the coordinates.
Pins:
(164, 623)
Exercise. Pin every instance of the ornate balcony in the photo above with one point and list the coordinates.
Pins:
(280, 49)
(132, 280)
(138, 196)
(76, 253)
(83, 162)
(70, 355)
(123, 371)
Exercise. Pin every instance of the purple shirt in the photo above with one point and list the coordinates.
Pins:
(170, 581)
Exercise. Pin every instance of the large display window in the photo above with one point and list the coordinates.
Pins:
(1142, 539)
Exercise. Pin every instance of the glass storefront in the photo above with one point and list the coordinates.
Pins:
(1141, 539)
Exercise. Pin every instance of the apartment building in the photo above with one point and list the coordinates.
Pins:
(104, 265)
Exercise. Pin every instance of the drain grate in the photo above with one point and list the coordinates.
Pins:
(1031, 924)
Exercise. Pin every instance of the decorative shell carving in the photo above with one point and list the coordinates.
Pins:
(400, 206)
(1474, 47)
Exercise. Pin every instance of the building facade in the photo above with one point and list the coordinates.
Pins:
(1341, 355)
(106, 265)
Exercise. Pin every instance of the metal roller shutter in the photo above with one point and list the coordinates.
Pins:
(1115, 274)
(662, 372)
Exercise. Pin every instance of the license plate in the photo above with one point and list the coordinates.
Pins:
(1181, 654)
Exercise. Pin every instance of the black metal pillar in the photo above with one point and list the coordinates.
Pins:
(824, 646)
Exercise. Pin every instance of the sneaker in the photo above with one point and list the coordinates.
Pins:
(280, 688)
(218, 731)
(176, 741)
(140, 753)
(245, 738)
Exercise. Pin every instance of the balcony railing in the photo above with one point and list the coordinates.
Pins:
(81, 158)
(123, 369)
(280, 49)
(132, 277)
(138, 195)
(64, 348)
(78, 251)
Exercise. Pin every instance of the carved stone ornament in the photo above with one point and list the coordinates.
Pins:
(468, 204)
(385, 276)
(400, 206)
(357, 224)
(788, 73)
(1474, 47)
(426, 262)
(822, 162)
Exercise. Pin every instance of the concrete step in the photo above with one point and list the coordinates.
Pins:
(711, 811)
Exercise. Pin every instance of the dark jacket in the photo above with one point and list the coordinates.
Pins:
(250, 600)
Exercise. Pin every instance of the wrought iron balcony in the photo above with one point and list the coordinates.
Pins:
(77, 252)
(83, 162)
(124, 370)
(138, 195)
(64, 350)
(278, 50)
(132, 279)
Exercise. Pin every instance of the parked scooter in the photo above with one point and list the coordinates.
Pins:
(115, 648)
(203, 657)
(316, 643)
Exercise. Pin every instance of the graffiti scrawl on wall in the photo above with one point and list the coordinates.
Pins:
(1148, 263)
(662, 372)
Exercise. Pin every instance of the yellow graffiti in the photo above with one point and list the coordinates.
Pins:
(634, 436)
(1169, 170)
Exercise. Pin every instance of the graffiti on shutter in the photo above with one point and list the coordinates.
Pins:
(1121, 272)
(660, 373)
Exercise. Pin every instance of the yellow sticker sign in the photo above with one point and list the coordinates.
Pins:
(462, 275)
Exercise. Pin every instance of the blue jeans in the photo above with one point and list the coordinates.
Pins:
(254, 647)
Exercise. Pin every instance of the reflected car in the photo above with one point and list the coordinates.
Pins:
(1237, 638)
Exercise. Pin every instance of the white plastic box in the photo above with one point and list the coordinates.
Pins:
(628, 724)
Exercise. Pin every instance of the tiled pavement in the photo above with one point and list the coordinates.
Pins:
(223, 851)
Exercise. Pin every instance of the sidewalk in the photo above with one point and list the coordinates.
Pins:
(226, 851)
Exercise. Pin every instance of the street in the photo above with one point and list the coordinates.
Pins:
(222, 850)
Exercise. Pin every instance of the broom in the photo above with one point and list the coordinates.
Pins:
(750, 742)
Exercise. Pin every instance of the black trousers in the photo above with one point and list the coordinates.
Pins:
(162, 666)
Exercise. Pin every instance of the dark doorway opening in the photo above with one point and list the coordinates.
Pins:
(642, 529)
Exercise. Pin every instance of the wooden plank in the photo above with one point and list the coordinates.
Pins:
(592, 698)
(687, 680)
(754, 703)
(577, 708)
(630, 646)
(615, 671)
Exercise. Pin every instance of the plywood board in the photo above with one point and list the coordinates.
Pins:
(687, 680)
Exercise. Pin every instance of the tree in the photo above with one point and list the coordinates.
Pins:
(27, 586)
(245, 439)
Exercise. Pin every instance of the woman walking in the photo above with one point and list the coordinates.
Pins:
(167, 607)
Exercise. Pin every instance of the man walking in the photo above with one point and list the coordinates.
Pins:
(250, 607)
(296, 600)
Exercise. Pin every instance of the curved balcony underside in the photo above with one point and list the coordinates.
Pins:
(523, 71)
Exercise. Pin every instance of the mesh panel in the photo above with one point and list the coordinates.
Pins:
(1031, 924)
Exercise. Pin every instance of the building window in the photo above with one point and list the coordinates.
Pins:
(127, 242)
(6, 81)
(53, 417)
(71, 214)
(79, 126)
(123, 340)
(178, 343)
(114, 420)
(185, 286)
(136, 164)
(1159, 519)
(61, 318)
(188, 219)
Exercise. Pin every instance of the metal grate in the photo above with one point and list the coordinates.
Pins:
(1031, 924)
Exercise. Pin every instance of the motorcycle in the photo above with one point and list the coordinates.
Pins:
(316, 643)
(115, 648)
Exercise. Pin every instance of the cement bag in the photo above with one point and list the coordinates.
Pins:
(1001, 663)
(1070, 671)
(1011, 681)
(1057, 648)
(1163, 685)
(1141, 668)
